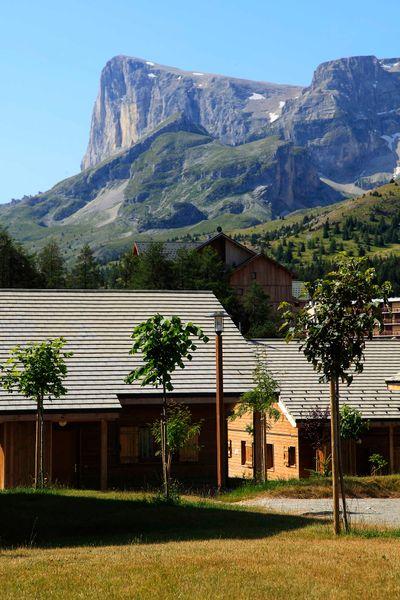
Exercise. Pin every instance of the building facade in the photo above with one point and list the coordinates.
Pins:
(391, 319)
(245, 266)
(99, 435)
(288, 448)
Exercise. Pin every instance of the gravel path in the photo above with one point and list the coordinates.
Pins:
(371, 511)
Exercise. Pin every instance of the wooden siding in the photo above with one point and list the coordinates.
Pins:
(149, 471)
(281, 435)
(273, 278)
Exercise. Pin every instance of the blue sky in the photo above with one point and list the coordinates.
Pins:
(52, 52)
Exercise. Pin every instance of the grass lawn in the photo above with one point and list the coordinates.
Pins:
(75, 544)
(384, 486)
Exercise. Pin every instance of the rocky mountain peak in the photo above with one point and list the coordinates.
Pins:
(136, 95)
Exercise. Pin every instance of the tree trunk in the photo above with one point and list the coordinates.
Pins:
(259, 437)
(39, 445)
(164, 445)
(334, 453)
(340, 461)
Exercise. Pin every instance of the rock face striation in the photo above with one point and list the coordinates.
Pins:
(349, 120)
(136, 95)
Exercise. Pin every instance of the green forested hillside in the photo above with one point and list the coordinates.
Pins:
(174, 181)
(307, 241)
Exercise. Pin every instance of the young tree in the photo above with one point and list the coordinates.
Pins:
(260, 403)
(37, 372)
(51, 265)
(352, 425)
(164, 344)
(180, 431)
(86, 273)
(333, 330)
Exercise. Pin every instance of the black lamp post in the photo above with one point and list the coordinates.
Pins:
(219, 397)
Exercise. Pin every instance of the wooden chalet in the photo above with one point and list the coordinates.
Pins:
(289, 453)
(98, 435)
(245, 266)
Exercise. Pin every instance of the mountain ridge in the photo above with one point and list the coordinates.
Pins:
(173, 152)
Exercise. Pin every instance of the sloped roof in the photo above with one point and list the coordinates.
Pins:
(222, 235)
(170, 249)
(300, 389)
(97, 326)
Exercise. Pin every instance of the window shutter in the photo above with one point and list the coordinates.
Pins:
(286, 456)
(249, 453)
(270, 456)
(243, 452)
(128, 444)
(190, 451)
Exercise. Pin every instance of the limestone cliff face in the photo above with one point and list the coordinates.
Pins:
(135, 96)
(349, 119)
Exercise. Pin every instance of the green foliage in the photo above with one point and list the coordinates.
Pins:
(17, 268)
(37, 370)
(164, 344)
(151, 270)
(263, 396)
(352, 425)
(203, 270)
(343, 314)
(258, 319)
(51, 265)
(180, 429)
(378, 463)
(86, 273)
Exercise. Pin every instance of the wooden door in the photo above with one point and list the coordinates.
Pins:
(66, 455)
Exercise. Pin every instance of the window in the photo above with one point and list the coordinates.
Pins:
(135, 443)
(243, 453)
(246, 453)
(254, 275)
(289, 456)
(128, 445)
(190, 451)
(292, 456)
(270, 456)
(146, 444)
(240, 291)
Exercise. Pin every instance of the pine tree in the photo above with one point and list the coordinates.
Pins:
(259, 320)
(51, 265)
(17, 268)
(152, 270)
(86, 271)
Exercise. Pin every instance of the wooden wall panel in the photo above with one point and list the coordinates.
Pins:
(2, 457)
(142, 472)
(275, 280)
(281, 435)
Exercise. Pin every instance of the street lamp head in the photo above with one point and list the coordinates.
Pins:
(218, 316)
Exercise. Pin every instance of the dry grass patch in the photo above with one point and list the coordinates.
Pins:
(93, 545)
(385, 486)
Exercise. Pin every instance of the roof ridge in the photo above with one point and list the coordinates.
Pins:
(104, 291)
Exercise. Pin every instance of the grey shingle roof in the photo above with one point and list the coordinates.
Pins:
(300, 389)
(97, 326)
(171, 249)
